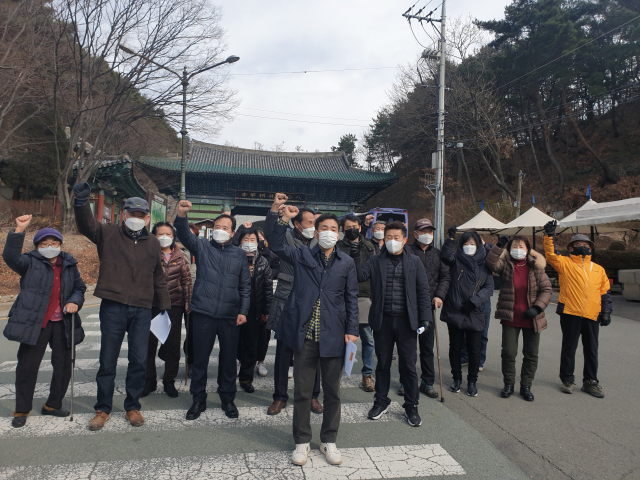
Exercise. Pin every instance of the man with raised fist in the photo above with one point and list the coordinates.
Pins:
(318, 320)
(219, 305)
(131, 275)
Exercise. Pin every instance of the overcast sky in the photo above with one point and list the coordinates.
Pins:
(282, 36)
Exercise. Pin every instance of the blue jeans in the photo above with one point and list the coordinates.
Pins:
(485, 337)
(366, 338)
(116, 319)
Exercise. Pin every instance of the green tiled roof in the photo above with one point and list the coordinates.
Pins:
(217, 159)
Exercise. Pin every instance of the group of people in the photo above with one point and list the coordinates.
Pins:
(330, 291)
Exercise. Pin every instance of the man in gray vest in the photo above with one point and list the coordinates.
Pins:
(301, 235)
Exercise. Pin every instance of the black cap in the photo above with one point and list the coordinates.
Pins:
(136, 204)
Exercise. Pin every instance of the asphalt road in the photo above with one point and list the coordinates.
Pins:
(557, 436)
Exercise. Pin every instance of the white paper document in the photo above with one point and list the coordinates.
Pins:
(160, 326)
(349, 357)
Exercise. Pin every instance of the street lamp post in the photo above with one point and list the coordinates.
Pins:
(185, 77)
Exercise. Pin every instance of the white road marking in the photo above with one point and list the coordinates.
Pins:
(98, 333)
(94, 315)
(165, 420)
(407, 461)
(85, 347)
(90, 389)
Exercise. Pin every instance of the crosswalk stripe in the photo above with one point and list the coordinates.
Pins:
(94, 363)
(94, 315)
(98, 333)
(165, 420)
(402, 461)
(90, 389)
(85, 347)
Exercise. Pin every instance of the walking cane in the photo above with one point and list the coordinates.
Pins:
(186, 340)
(73, 360)
(435, 325)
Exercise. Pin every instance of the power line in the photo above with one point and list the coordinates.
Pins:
(304, 115)
(312, 71)
(301, 121)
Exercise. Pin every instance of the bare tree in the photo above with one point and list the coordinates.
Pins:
(279, 147)
(98, 91)
(258, 146)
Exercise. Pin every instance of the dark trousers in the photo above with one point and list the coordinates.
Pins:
(572, 328)
(396, 331)
(485, 337)
(170, 350)
(116, 319)
(473, 341)
(530, 347)
(264, 337)
(305, 364)
(29, 358)
(187, 346)
(426, 340)
(248, 349)
(284, 357)
(205, 330)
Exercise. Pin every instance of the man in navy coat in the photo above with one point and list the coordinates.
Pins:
(318, 320)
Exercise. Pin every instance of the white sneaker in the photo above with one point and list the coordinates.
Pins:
(300, 454)
(290, 374)
(331, 453)
(261, 369)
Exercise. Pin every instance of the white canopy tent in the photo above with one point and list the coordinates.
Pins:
(571, 224)
(482, 222)
(529, 223)
(610, 212)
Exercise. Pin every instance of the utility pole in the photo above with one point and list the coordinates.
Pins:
(439, 195)
(520, 175)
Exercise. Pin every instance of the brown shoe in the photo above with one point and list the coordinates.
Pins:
(367, 383)
(98, 420)
(135, 418)
(276, 407)
(316, 406)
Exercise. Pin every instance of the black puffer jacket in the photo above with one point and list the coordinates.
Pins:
(28, 311)
(395, 302)
(470, 280)
(223, 283)
(262, 285)
(437, 271)
(285, 275)
(367, 250)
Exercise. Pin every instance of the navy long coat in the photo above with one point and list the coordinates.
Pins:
(337, 287)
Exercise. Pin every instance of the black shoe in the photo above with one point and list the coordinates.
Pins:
(472, 390)
(247, 387)
(525, 392)
(428, 390)
(455, 386)
(149, 386)
(196, 409)
(230, 410)
(378, 410)
(18, 422)
(170, 389)
(411, 414)
(507, 391)
(58, 412)
(401, 391)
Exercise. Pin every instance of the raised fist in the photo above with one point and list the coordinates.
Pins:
(247, 224)
(289, 212)
(452, 231)
(502, 241)
(278, 200)
(184, 206)
(82, 190)
(22, 223)
(368, 219)
(550, 228)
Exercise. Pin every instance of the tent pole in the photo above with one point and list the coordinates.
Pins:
(533, 231)
(593, 236)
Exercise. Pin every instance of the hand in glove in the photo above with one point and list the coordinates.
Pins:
(467, 307)
(550, 228)
(533, 312)
(452, 231)
(604, 318)
(502, 241)
(82, 192)
(355, 250)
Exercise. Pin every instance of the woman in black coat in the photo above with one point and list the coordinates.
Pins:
(463, 310)
(51, 293)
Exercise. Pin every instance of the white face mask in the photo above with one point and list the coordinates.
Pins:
(165, 241)
(393, 246)
(518, 254)
(425, 238)
(49, 252)
(469, 250)
(379, 235)
(327, 239)
(220, 236)
(308, 232)
(249, 246)
(135, 224)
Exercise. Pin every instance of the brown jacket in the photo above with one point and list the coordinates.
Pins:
(500, 262)
(178, 277)
(130, 269)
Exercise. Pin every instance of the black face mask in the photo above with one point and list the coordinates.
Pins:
(581, 251)
(352, 233)
(260, 244)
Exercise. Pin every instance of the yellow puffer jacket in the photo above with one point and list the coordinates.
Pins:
(582, 282)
